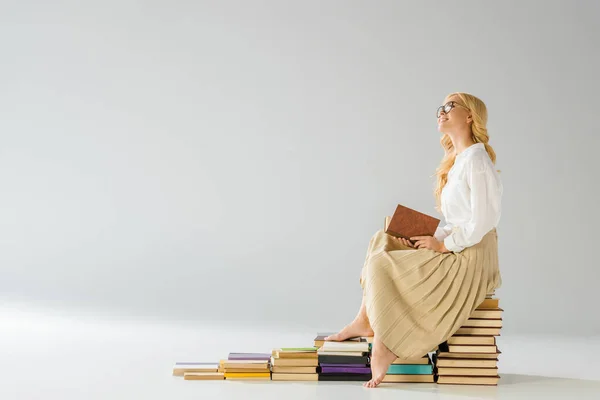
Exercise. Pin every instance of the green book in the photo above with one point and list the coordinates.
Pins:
(410, 369)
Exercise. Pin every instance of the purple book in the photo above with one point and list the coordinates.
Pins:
(344, 365)
(249, 356)
(345, 370)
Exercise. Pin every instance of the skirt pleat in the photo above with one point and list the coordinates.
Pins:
(417, 298)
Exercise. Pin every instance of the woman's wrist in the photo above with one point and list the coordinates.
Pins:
(443, 248)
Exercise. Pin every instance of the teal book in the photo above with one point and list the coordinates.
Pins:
(410, 369)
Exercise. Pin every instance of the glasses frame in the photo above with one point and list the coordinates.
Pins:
(451, 104)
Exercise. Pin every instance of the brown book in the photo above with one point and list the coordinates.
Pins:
(467, 371)
(294, 370)
(492, 313)
(398, 378)
(478, 331)
(245, 364)
(469, 356)
(294, 362)
(407, 222)
(294, 354)
(483, 323)
(468, 380)
(472, 340)
(422, 360)
(203, 376)
(320, 339)
(460, 348)
(466, 363)
(489, 303)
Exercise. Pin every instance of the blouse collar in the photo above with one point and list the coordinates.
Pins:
(471, 148)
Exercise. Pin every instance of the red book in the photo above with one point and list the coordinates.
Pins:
(407, 223)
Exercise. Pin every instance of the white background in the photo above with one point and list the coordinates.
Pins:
(229, 161)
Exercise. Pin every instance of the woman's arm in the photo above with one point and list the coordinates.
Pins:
(485, 207)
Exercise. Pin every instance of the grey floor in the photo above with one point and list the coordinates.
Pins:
(47, 356)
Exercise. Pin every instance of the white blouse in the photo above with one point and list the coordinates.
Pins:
(470, 200)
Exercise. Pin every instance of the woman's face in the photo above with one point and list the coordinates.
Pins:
(455, 120)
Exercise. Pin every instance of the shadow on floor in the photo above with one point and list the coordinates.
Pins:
(515, 386)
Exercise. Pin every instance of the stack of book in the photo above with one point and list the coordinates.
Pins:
(198, 371)
(294, 364)
(344, 361)
(247, 366)
(470, 356)
(415, 371)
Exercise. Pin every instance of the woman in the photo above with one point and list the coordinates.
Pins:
(417, 296)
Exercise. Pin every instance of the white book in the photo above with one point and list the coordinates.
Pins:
(345, 346)
(180, 368)
(340, 353)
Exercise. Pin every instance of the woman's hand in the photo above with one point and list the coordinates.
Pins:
(406, 242)
(429, 242)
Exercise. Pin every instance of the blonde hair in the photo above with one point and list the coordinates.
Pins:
(479, 134)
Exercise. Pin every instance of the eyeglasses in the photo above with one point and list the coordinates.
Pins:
(447, 107)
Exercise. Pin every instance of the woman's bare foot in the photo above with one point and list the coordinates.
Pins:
(381, 360)
(358, 327)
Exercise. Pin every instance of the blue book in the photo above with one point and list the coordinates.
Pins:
(410, 369)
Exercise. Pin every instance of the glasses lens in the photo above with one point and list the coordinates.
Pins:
(439, 110)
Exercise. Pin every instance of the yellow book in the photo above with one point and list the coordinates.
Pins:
(244, 375)
(295, 377)
(203, 376)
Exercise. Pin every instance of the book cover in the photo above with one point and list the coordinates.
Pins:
(483, 323)
(489, 303)
(294, 362)
(345, 377)
(407, 222)
(468, 380)
(466, 363)
(455, 371)
(203, 376)
(294, 370)
(478, 331)
(408, 369)
(472, 340)
(462, 348)
(345, 346)
(327, 359)
(294, 377)
(249, 356)
(345, 370)
(293, 354)
(229, 375)
(180, 368)
(492, 313)
(478, 356)
(396, 378)
(343, 365)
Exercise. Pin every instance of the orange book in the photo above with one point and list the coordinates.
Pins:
(407, 222)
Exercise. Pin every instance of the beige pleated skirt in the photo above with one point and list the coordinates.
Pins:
(417, 298)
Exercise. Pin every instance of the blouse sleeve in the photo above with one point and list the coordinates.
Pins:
(442, 231)
(485, 198)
